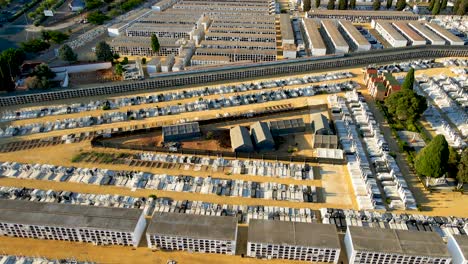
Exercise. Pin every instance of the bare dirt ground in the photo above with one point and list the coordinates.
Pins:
(100, 76)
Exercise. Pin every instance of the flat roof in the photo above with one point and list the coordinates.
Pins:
(334, 34)
(227, 52)
(393, 241)
(462, 242)
(420, 28)
(139, 41)
(161, 27)
(245, 35)
(315, 39)
(231, 30)
(67, 215)
(226, 43)
(444, 33)
(293, 233)
(193, 226)
(210, 58)
(355, 35)
(361, 13)
(391, 30)
(407, 31)
(286, 27)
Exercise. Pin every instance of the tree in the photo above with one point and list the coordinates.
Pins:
(43, 71)
(35, 45)
(436, 8)
(400, 5)
(376, 5)
(456, 5)
(389, 4)
(462, 8)
(431, 4)
(317, 3)
(462, 175)
(10, 62)
(97, 18)
(124, 61)
(343, 4)
(352, 4)
(91, 4)
(67, 54)
(45, 35)
(143, 60)
(452, 162)
(432, 160)
(408, 83)
(58, 37)
(406, 105)
(307, 5)
(119, 69)
(104, 52)
(331, 5)
(443, 6)
(35, 82)
(154, 43)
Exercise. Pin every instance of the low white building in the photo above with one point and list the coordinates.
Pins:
(365, 245)
(458, 247)
(76, 223)
(293, 240)
(194, 233)
(390, 34)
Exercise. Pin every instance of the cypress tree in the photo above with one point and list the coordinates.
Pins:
(341, 5)
(389, 4)
(352, 4)
(331, 4)
(317, 3)
(436, 8)
(408, 83)
(444, 5)
(431, 4)
(400, 5)
(432, 160)
(376, 5)
(307, 5)
(456, 5)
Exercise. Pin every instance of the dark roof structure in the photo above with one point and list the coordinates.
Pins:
(278, 127)
(180, 131)
(194, 226)
(326, 141)
(293, 233)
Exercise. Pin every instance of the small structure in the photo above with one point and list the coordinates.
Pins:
(380, 86)
(320, 124)
(288, 126)
(325, 141)
(76, 5)
(261, 136)
(293, 240)
(372, 245)
(153, 66)
(240, 139)
(195, 233)
(180, 132)
(458, 247)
